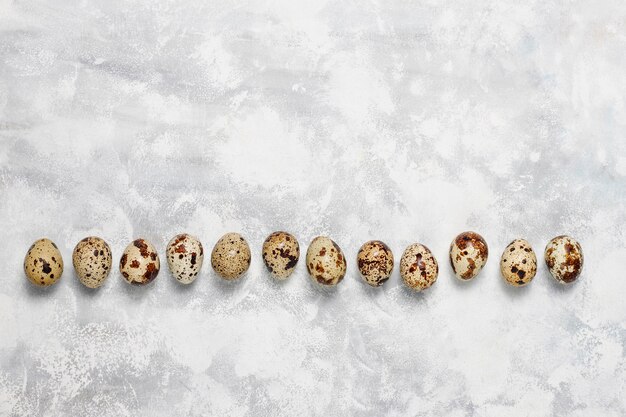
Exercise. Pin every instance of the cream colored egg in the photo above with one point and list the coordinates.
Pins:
(92, 261)
(140, 263)
(518, 263)
(281, 252)
(468, 255)
(43, 263)
(375, 262)
(564, 258)
(418, 267)
(325, 261)
(231, 256)
(184, 257)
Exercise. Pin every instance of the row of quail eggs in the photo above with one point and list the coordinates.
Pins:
(325, 261)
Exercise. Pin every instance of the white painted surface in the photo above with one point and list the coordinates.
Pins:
(401, 121)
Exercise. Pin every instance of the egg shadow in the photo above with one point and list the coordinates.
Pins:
(36, 291)
(85, 290)
(514, 292)
(556, 287)
(138, 292)
(416, 296)
(225, 286)
(326, 291)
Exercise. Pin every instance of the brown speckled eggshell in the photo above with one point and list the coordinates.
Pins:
(468, 255)
(281, 252)
(231, 256)
(184, 255)
(375, 262)
(418, 267)
(518, 263)
(325, 261)
(43, 263)
(140, 263)
(564, 258)
(92, 261)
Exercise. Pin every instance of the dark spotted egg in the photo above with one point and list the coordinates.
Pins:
(184, 257)
(140, 263)
(564, 258)
(43, 263)
(92, 261)
(468, 255)
(325, 261)
(518, 263)
(281, 253)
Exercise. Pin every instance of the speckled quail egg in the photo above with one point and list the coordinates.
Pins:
(184, 257)
(418, 267)
(468, 255)
(281, 252)
(325, 261)
(140, 263)
(92, 261)
(375, 262)
(231, 256)
(564, 258)
(518, 263)
(43, 263)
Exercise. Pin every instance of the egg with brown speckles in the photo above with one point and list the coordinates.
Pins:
(418, 267)
(281, 252)
(231, 256)
(184, 255)
(43, 263)
(375, 262)
(92, 261)
(564, 258)
(140, 263)
(468, 255)
(518, 263)
(325, 261)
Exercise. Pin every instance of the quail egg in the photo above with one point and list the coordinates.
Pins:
(140, 263)
(418, 267)
(43, 263)
(518, 263)
(468, 255)
(92, 261)
(375, 262)
(231, 256)
(564, 258)
(184, 257)
(281, 252)
(325, 261)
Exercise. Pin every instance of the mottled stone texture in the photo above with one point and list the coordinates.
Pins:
(404, 121)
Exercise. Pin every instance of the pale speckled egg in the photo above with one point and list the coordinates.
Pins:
(468, 255)
(375, 262)
(43, 263)
(140, 263)
(518, 263)
(418, 267)
(92, 261)
(564, 258)
(231, 256)
(325, 261)
(281, 253)
(184, 257)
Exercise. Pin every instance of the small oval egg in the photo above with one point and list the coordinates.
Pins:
(140, 263)
(184, 255)
(92, 261)
(281, 252)
(325, 261)
(418, 267)
(375, 262)
(518, 263)
(231, 256)
(564, 258)
(468, 255)
(43, 263)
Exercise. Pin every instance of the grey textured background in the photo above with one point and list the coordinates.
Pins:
(401, 121)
